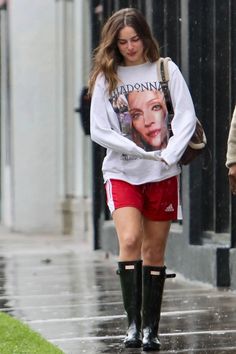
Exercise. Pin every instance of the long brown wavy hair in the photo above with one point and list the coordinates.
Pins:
(107, 56)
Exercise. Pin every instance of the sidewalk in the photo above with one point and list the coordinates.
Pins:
(71, 295)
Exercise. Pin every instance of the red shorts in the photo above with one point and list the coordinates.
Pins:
(157, 201)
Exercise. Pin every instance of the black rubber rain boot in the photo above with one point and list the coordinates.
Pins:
(153, 285)
(130, 273)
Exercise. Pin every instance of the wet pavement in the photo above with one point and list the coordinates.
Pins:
(71, 295)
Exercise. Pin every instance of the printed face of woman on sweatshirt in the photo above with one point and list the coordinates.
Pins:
(148, 112)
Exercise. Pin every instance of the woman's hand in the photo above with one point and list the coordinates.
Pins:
(232, 178)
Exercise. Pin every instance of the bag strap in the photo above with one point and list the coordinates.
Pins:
(163, 77)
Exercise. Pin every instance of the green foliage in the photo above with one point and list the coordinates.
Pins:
(18, 338)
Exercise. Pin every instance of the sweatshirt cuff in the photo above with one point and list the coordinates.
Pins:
(152, 155)
(170, 159)
(230, 163)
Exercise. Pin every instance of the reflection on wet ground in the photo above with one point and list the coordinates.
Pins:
(71, 295)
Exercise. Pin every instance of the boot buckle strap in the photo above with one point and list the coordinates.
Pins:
(171, 275)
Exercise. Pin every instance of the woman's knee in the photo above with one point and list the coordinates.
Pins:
(130, 242)
(153, 255)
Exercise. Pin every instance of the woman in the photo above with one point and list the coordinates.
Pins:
(141, 186)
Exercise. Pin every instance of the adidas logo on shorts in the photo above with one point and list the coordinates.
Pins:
(169, 208)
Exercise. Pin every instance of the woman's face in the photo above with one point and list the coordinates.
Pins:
(148, 111)
(130, 46)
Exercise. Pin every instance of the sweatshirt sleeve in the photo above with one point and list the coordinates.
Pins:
(106, 133)
(184, 120)
(231, 147)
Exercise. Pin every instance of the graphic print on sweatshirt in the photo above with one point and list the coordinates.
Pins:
(142, 114)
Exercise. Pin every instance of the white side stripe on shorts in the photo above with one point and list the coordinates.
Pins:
(110, 201)
(179, 210)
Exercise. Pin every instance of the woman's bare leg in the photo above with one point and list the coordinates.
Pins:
(154, 242)
(129, 228)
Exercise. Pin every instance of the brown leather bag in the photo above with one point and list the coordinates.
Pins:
(198, 140)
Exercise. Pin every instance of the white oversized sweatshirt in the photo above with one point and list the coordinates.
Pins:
(129, 158)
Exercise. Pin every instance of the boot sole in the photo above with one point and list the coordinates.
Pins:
(136, 344)
(148, 348)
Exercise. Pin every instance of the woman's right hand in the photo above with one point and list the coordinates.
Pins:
(232, 178)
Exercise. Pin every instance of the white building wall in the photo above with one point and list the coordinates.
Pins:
(83, 155)
(32, 75)
(6, 181)
(83, 163)
(48, 148)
